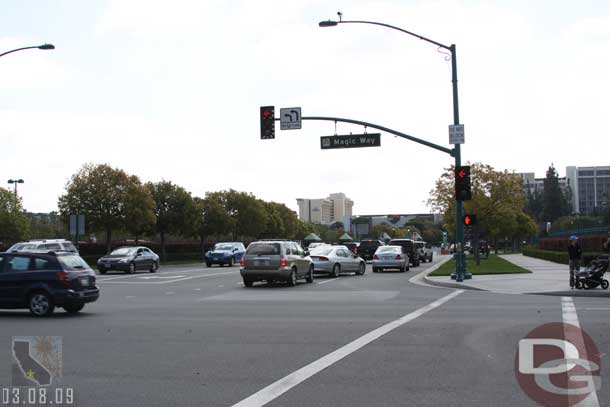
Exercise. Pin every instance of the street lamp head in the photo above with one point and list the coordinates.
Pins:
(328, 23)
(19, 181)
(46, 46)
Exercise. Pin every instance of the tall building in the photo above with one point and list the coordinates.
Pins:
(587, 187)
(335, 208)
(591, 189)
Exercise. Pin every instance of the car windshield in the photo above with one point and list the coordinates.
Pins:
(73, 262)
(123, 251)
(69, 247)
(264, 249)
(223, 247)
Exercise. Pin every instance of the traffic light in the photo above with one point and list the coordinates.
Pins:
(267, 122)
(462, 183)
(469, 220)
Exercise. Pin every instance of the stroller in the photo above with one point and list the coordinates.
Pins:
(593, 276)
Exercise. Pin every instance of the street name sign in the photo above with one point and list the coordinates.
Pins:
(456, 134)
(290, 118)
(351, 141)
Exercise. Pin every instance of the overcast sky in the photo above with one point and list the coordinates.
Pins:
(171, 90)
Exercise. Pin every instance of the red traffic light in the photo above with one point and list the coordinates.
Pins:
(462, 173)
(266, 113)
(469, 220)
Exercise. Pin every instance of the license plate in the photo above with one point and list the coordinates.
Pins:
(261, 263)
(84, 281)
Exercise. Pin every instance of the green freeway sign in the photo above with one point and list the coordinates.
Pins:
(351, 141)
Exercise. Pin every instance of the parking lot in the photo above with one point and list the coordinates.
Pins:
(195, 336)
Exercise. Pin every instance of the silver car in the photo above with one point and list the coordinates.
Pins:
(275, 260)
(390, 257)
(334, 260)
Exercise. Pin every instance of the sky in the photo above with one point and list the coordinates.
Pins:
(171, 91)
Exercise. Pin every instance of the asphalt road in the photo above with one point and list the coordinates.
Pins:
(195, 336)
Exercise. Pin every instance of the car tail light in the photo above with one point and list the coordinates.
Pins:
(283, 263)
(320, 258)
(398, 257)
(375, 257)
(355, 250)
(242, 262)
(63, 277)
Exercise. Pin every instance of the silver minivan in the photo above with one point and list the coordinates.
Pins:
(276, 260)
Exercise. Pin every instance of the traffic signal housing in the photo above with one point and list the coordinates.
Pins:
(469, 220)
(267, 122)
(463, 189)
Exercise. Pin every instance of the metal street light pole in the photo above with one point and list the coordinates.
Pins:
(460, 264)
(15, 182)
(43, 46)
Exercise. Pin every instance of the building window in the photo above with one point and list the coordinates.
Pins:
(584, 173)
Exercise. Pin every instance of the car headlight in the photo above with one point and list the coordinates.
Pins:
(123, 260)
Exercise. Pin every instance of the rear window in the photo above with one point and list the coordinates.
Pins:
(370, 243)
(321, 251)
(69, 247)
(264, 249)
(388, 249)
(404, 243)
(73, 262)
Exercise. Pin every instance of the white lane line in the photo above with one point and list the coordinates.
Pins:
(221, 286)
(197, 289)
(281, 386)
(595, 309)
(568, 310)
(240, 283)
(170, 293)
(135, 275)
(129, 297)
(328, 281)
(168, 281)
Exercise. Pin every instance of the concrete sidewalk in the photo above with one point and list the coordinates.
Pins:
(546, 278)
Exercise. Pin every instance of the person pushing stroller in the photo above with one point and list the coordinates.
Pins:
(574, 255)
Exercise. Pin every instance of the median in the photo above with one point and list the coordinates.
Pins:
(492, 265)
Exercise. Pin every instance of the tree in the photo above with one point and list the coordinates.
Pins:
(498, 201)
(99, 192)
(248, 216)
(175, 211)
(46, 226)
(554, 202)
(211, 219)
(139, 209)
(14, 225)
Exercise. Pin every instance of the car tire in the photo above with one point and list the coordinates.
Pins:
(208, 264)
(154, 267)
(292, 278)
(41, 304)
(361, 269)
(102, 271)
(402, 269)
(74, 308)
(605, 284)
(132, 268)
(309, 278)
(336, 271)
(248, 282)
(231, 260)
(431, 258)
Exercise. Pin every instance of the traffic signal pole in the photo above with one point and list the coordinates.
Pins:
(460, 258)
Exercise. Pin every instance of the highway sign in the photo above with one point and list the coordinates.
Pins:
(456, 134)
(77, 225)
(290, 118)
(351, 141)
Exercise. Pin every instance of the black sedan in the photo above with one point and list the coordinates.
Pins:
(129, 260)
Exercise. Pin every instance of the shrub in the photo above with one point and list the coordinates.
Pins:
(560, 256)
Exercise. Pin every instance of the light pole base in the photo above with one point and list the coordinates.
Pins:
(457, 278)
(467, 276)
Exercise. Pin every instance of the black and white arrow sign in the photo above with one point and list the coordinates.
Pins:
(290, 118)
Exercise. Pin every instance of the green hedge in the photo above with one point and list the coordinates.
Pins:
(560, 257)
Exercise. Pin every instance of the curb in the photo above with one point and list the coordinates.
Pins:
(424, 280)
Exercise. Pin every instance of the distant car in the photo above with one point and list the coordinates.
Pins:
(44, 245)
(409, 249)
(225, 253)
(390, 257)
(368, 247)
(424, 249)
(276, 260)
(129, 259)
(42, 282)
(334, 260)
